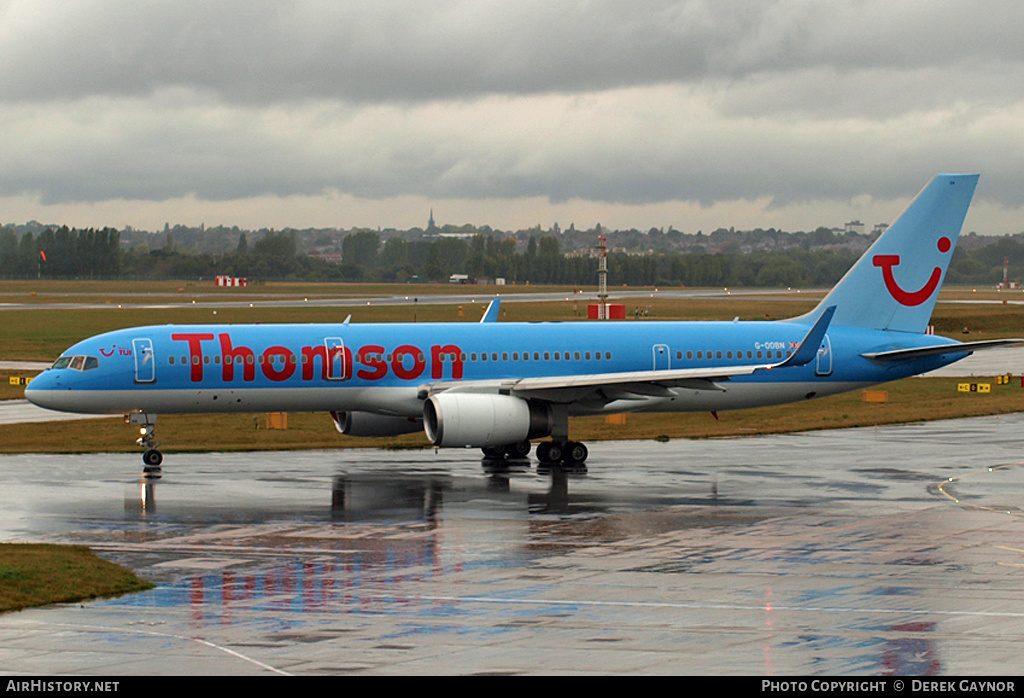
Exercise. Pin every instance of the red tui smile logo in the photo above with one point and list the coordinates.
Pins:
(910, 298)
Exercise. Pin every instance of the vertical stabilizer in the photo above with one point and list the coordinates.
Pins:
(895, 284)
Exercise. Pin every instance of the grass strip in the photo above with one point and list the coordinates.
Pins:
(37, 574)
(908, 400)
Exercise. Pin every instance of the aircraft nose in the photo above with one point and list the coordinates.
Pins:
(44, 390)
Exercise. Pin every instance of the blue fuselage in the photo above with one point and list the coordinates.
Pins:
(382, 367)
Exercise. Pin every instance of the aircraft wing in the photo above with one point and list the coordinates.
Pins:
(919, 352)
(644, 384)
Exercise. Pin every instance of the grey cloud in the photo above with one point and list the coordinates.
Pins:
(794, 100)
(401, 50)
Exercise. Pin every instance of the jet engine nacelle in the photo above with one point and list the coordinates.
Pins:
(481, 419)
(353, 423)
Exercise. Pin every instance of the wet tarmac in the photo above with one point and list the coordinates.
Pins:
(893, 550)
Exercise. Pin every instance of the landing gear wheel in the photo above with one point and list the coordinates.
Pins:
(575, 453)
(518, 451)
(152, 459)
(549, 452)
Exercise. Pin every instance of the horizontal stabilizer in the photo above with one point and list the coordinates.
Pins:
(885, 357)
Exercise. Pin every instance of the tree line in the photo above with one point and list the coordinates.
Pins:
(68, 253)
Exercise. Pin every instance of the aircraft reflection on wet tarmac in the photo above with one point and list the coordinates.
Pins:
(828, 553)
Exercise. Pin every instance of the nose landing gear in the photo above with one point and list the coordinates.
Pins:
(151, 457)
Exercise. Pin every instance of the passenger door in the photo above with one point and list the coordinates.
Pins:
(145, 362)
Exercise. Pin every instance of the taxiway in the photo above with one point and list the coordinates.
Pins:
(893, 550)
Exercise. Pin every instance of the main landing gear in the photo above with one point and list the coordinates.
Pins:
(560, 451)
(569, 453)
(517, 451)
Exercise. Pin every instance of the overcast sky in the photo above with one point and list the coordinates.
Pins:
(696, 114)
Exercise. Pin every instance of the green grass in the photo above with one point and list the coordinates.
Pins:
(40, 574)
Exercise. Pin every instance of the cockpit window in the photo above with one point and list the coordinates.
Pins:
(78, 363)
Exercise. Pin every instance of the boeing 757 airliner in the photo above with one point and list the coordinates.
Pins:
(498, 386)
